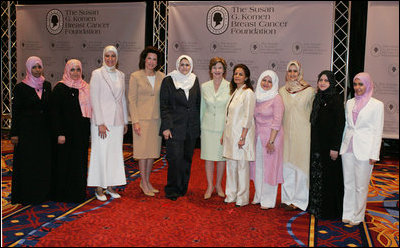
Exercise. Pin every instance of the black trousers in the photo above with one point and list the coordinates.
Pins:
(179, 157)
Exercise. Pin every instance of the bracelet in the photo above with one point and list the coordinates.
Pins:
(271, 142)
(241, 138)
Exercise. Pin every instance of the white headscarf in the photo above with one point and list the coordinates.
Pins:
(108, 49)
(265, 95)
(184, 82)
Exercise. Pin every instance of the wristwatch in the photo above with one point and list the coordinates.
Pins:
(241, 138)
(271, 142)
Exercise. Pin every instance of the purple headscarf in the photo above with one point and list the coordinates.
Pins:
(36, 83)
(362, 100)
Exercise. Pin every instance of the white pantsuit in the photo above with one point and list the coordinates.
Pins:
(237, 182)
(239, 115)
(356, 181)
(364, 137)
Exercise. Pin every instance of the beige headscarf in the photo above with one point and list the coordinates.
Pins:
(295, 86)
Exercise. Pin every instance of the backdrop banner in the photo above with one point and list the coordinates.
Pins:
(57, 33)
(261, 35)
(382, 60)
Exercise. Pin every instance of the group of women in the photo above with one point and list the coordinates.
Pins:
(290, 136)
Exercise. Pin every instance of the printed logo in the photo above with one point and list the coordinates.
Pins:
(296, 48)
(54, 21)
(217, 20)
(376, 50)
(393, 69)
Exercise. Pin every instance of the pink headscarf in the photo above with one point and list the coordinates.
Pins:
(80, 84)
(36, 83)
(361, 101)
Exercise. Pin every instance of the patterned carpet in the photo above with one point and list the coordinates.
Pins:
(50, 223)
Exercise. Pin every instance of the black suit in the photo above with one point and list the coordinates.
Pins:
(182, 117)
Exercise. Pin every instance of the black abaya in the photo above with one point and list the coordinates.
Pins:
(326, 175)
(32, 155)
(70, 160)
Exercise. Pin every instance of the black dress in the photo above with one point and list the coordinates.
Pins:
(326, 175)
(182, 117)
(70, 160)
(32, 155)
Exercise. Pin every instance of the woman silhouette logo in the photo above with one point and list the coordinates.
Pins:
(217, 20)
(55, 21)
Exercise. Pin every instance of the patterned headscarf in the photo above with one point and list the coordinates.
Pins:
(295, 86)
(80, 84)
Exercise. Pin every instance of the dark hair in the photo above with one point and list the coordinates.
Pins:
(247, 82)
(215, 61)
(143, 55)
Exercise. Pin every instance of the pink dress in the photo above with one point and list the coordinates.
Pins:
(268, 115)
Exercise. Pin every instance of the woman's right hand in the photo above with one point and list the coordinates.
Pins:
(167, 134)
(103, 131)
(14, 140)
(136, 128)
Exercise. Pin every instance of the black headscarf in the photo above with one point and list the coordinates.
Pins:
(323, 97)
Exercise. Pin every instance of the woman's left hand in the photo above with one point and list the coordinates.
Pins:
(372, 161)
(270, 148)
(241, 143)
(334, 155)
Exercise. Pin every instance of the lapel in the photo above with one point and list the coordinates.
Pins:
(109, 82)
(144, 78)
(350, 112)
(157, 84)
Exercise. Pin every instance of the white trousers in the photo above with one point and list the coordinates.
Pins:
(265, 194)
(356, 176)
(237, 182)
(295, 188)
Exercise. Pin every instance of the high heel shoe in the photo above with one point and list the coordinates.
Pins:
(220, 192)
(100, 197)
(207, 195)
(150, 193)
(113, 194)
(155, 191)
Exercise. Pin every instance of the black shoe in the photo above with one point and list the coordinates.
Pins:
(172, 198)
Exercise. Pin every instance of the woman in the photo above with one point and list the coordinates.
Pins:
(109, 124)
(30, 134)
(214, 96)
(71, 112)
(297, 96)
(266, 171)
(326, 176)
(360, 147)
(144, 106)
(180, 124)
(238, 136)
